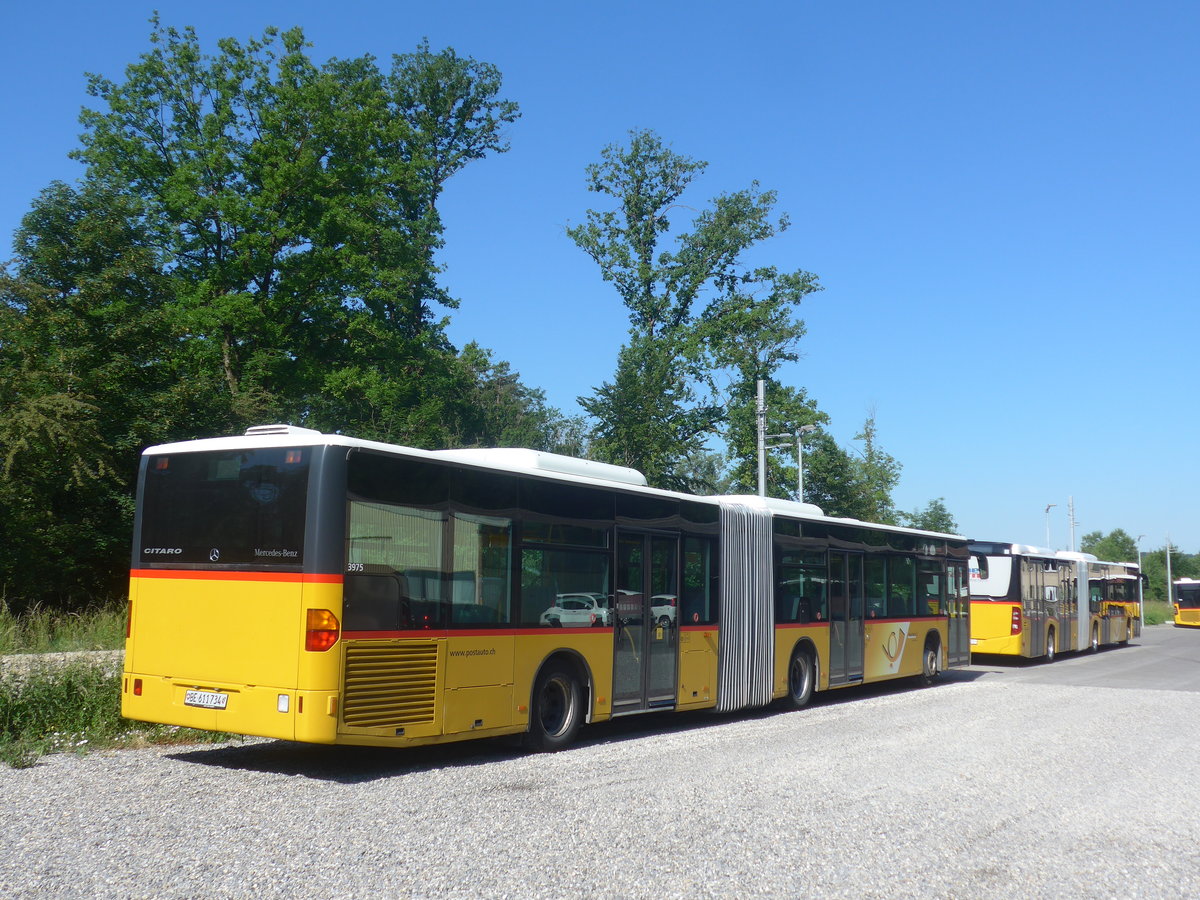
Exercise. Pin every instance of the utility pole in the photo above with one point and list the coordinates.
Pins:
(1071, 520)
(1141, 600)
(763, 446)
(761, 414)
(800, 433)
(1049, 506)
(1170, 586)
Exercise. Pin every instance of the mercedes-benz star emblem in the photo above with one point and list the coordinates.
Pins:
(214, 554)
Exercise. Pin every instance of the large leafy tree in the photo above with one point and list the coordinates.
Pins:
(936, 516)
(697, 311)
(84, 384)
(296, 207)
(1116, 546)
(1154, 568)
(254, 239)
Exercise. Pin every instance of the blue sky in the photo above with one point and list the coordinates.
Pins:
(999, 198)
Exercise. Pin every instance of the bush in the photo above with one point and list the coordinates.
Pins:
(76, 706)
(1155, 612)
(39, 630)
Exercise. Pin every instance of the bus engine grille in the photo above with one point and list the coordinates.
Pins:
(390, 685)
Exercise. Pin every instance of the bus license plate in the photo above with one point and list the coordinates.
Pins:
(205, 699)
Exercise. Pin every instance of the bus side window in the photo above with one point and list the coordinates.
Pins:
(875, 575)
(699, 599)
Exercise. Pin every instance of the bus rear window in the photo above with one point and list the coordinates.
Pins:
(235, 507)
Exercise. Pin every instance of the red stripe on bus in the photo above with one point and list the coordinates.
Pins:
(198, 575)
(467, 632)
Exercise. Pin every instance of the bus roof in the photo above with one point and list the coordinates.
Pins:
(523, 461)
(1005, 548)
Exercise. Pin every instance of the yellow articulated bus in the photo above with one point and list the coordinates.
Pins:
(1186, 601)
(313, 587)
(1032, 602)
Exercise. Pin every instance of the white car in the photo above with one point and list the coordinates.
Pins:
(575, 610)
(663, 609)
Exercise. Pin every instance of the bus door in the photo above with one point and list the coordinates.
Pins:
(958, 596)
(845, 617)
(1035, 606)
(646, 631)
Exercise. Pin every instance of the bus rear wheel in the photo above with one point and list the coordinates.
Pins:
(929, 663)
(801, 675)
(1049, 646)
(556, 712)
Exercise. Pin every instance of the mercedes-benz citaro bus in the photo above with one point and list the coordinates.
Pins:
(314, 587)
(1035, 602)
(1186, 602)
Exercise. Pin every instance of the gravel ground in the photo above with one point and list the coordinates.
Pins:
(21, 663)
(988, 785)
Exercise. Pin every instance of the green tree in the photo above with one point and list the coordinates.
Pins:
(504, 412)
(1154, 568)
(1116, 546)
(83, 386)
(297, 208)
(254, 239)
(874, 473)
(934, 517)
(697, 311)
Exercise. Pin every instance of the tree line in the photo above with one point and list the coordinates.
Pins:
(255, 239)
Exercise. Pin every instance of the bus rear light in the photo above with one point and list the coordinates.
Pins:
(321, 630)
(137, 687)
(129, 619)
(1016, 620)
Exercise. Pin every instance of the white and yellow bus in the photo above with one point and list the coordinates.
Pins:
(1186, 601)
(1033, 602)
(314, 587)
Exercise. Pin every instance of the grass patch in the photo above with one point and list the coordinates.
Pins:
(44, 631)
(74, 707)
(1156, 612)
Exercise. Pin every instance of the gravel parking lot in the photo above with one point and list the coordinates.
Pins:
(995, 783)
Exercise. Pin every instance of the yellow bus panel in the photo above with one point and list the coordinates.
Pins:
(697, 668)
(991, 628)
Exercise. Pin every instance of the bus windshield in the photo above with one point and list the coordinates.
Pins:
(1187, 595)
(230, 507)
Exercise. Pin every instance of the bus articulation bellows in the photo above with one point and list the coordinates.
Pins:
(313, 587)
(1034, 602)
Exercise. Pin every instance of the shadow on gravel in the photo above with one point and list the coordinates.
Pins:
(356, 765)
(1000, 662)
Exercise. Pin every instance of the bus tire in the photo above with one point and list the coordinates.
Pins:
(1095, 645)
(801, 677)
(556, 710)
(1050, 646)
(929, 662)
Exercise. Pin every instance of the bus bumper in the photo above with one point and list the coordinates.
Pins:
(271, 712)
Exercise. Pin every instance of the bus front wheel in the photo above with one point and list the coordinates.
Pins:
(556, 712)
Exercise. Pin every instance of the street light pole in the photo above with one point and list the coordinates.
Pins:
(804, 429)
(1141, 611)
(761, 415)
(1049, 506)
(1170, 586)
